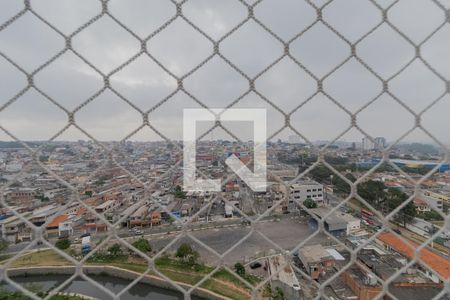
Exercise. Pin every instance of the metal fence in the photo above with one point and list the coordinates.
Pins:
(216, 52)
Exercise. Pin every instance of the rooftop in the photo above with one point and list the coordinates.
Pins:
(314, 253)
(285, 273)
(57, 220)
(439, 264)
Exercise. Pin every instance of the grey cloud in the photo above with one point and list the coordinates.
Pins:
(29, 42)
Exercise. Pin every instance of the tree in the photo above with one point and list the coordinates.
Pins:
(179, 193)
(431, 216)
(62, 244)
(142, 245)
(240, 269)
(395, 198)
(187, 254)
(373, 192)
(115, 250)
(310, 203)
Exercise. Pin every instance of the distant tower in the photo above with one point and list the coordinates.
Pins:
(367, 144)
(380, 143)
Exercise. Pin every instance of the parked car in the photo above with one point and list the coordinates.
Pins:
(255, 265)
(396, 230)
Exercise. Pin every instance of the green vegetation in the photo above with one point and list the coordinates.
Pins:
(278, 294)
(115, 250)
(4, 257)
(9, 295)
(6, 295)
(43, 198)
(183, 267)
(239, 269)
(430, 216)
(324, 175)
(142, 245)
(62, 244)
(108, 257)
(387, 199)
(187, 254)
(3, 244)
(40, 258)
(310, 203)
(179, 193)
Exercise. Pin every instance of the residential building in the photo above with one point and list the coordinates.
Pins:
(283, 277)
(303, 190)
(316, 260)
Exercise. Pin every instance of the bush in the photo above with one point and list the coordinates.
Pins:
(63, 244)
(240, 269)
(187, 254)
(142, 245)
(115, 250)
(310, 203)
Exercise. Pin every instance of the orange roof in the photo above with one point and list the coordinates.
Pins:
(58, 219)
(418, 201)
(439, 264)
(81, 211)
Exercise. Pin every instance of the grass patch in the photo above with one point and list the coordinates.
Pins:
(224, 290)
(40, 258)
(4, 257)
(225, 275)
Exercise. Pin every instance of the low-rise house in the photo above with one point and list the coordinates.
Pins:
(13, 229)
(283, 277)
(421, 205)
(107, 206)
(40, 215)
(337, 223)
(52, 228)
(316, 260)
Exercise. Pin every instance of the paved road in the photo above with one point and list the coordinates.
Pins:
(287, 233)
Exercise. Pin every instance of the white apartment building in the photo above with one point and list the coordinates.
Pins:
(303, 190)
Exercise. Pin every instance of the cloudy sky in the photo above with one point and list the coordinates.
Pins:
(70, 81)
